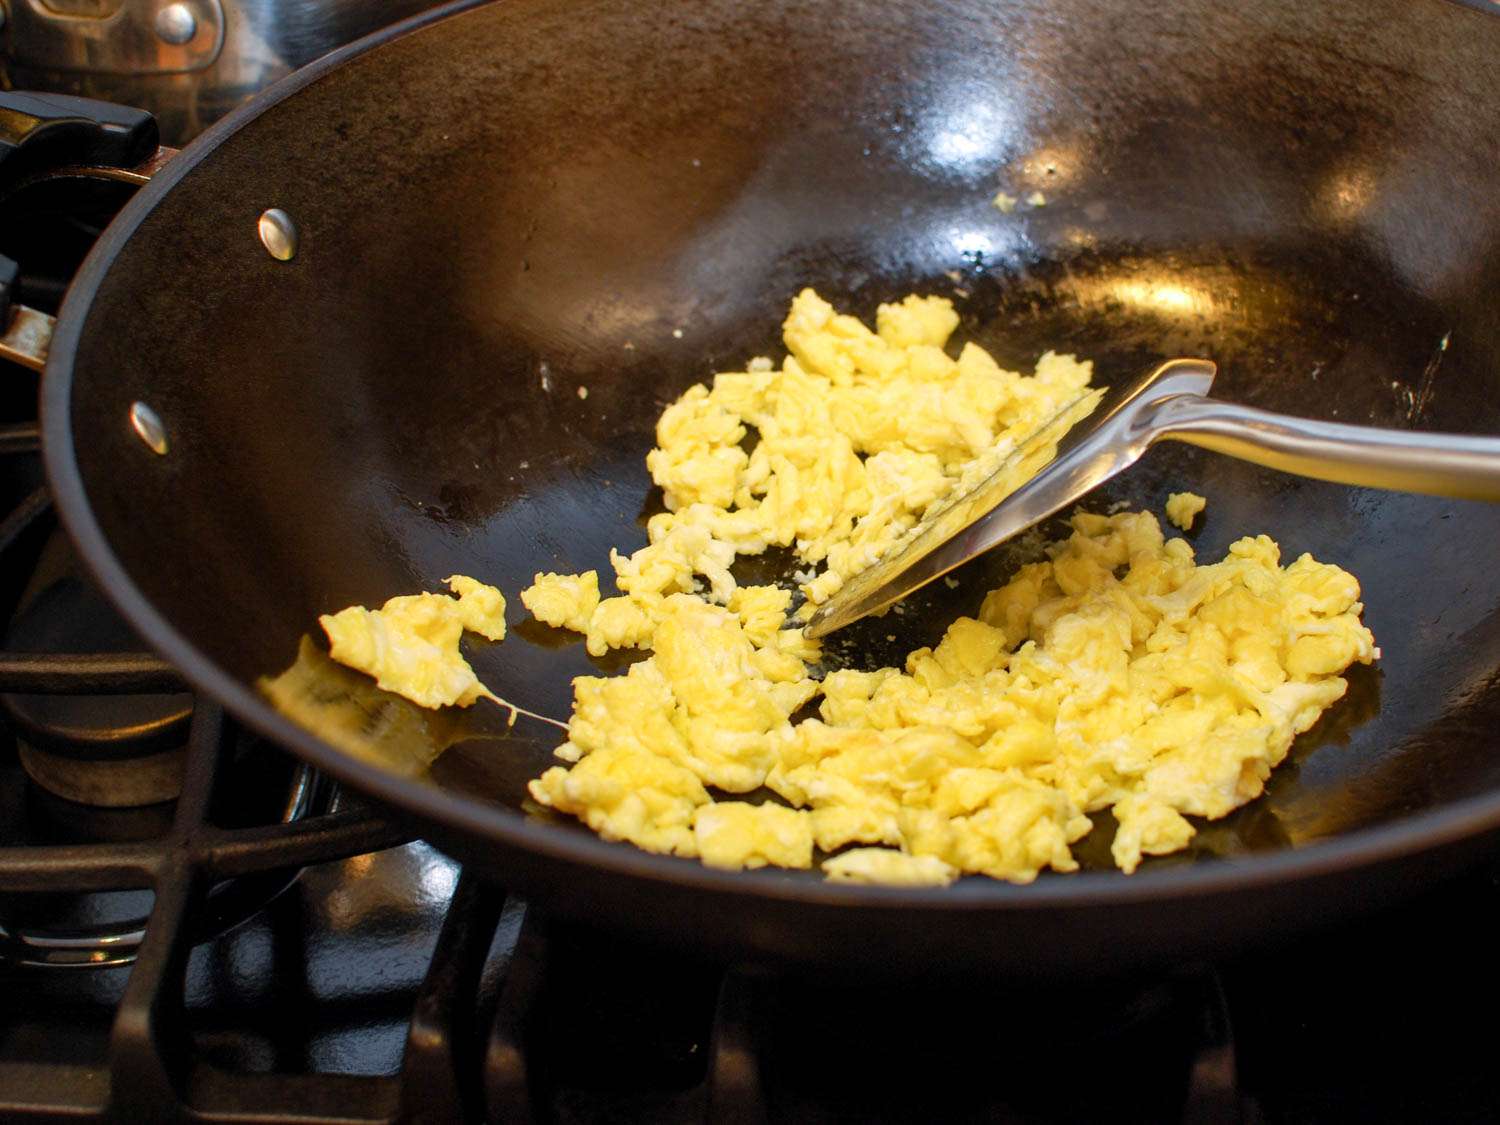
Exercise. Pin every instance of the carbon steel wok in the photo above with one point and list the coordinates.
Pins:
(501, 203)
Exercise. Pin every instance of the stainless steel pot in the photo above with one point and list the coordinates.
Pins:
(188, 61)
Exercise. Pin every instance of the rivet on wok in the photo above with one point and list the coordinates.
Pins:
(147, 426)
(176, 24)
(279, 234)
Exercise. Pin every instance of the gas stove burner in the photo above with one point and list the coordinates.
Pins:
(97, 721)
(105, 929)
(106, 751)
(61, 818)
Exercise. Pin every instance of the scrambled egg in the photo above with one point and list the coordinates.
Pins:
(566, 601)
(1118, 674)
(410, 644)
(889, 868)
(410, 647)
(1183, 508)
(860, 434)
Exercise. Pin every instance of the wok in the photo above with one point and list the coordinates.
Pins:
(497, 204)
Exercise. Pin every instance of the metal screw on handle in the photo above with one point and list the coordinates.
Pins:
(176, 24)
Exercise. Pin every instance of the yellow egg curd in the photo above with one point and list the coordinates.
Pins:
(410, 644)
(1118, 674)
(1183, 508)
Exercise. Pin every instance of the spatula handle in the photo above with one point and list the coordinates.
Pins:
(1459, 465)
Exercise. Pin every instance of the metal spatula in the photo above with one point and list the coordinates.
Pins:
(1169, 402)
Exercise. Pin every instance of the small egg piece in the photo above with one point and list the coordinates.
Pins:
(1183, 508)
(564, 601)
(481, 608)
(410, 644)
(628, 794)
(735, 835)
(887, 867)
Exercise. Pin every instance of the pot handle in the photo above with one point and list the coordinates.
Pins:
(62, 129)
(44, 135)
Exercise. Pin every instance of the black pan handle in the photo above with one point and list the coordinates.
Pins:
(66, 130)
(42, 135)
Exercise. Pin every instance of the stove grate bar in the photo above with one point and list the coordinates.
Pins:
(735, 1083)
(1214, 1091)
(154, 1072)
(20, 438)
(87, 673)
(51, 1091)
(32, 508)
(217, 852)
(149, 1045)
(316, 839)
(440, 1069)
(79, 868)
(293, 1099)
(510, 1073)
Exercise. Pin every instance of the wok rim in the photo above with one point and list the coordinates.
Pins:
(476, 820)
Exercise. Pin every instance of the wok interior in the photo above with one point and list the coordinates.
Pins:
(528, 198)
